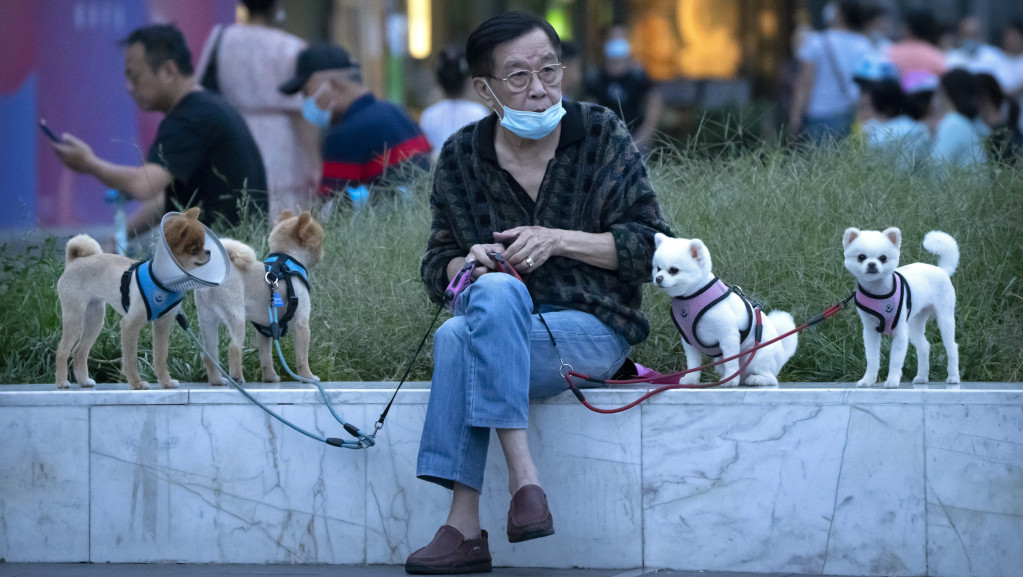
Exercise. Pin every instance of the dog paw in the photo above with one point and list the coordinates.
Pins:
(88, 384)
(64, 385)
(240, 379)
(311, 377)
(761, 381)
(952, 379)
(919, 380)
(865, 382)
(272, 378)
(891, 384)
(690, 379)
(140, 386)
(171, 384)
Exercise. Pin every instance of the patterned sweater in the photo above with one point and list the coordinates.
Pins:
(596, 183)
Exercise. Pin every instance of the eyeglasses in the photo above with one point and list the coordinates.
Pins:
(519, 80)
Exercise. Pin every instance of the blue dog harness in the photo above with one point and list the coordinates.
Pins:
(886, 308)
(159, 301)
(282, 266)
(686, 312)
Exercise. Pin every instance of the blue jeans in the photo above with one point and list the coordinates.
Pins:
(489, 360)
(820, 130)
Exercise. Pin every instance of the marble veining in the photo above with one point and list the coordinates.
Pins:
(825, 479)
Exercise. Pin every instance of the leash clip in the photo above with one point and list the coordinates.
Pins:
(753, 303)
(565, 369)
(271, 279)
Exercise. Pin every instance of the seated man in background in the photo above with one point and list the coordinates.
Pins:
(203, 155)
(366, 137)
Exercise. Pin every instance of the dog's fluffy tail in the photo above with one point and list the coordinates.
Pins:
(783, 323)
(945, 247)
(241, 254)
(81, 245)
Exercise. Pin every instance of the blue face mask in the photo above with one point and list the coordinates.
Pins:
(531, 125)
(617, 48)
(313, 113)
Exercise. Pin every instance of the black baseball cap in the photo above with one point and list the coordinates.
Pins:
(313, 59)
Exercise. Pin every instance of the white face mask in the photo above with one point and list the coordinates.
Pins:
(531, 125)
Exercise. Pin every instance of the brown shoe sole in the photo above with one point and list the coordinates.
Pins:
(422, 569)
(527, 533)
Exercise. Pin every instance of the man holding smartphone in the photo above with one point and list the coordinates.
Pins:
(203, 155)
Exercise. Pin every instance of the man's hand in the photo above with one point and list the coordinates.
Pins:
(484, 264)
(531, 246)
(75, 154)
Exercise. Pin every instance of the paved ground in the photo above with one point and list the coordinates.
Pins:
(175, 570)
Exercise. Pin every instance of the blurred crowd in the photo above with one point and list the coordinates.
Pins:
(306, 132)
(926, 95)
(362, 140)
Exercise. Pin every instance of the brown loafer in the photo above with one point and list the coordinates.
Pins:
(529, 517)
(450, 553)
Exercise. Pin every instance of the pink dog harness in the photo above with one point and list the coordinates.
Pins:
(686, 312)
(887, 308)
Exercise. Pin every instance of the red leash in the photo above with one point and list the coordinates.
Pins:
(657, 379)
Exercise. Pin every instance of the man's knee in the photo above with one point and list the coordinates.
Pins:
(450, 333)
(498, 288)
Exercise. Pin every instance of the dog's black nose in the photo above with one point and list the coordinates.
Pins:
(207, 253)
(871, 267)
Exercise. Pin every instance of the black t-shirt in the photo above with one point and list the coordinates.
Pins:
(624, 95)
(212, 158)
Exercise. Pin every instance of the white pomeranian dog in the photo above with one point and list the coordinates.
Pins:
(901, 300)
(713, 319)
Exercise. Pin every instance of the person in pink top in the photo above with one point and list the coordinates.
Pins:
(250, 60)
(916, 51)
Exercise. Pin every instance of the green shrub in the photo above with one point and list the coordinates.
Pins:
(773, 220)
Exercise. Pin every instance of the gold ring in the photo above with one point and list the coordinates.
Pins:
(529, 261)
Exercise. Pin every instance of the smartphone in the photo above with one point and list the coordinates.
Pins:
(46, 129)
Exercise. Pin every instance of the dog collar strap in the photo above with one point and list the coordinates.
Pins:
(886, 308)
(281, 265)
(158, 299)
(686, 312)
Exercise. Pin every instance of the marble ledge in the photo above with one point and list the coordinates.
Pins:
(418, 393)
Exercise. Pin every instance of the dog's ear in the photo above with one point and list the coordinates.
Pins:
(850, 235)
(285, 216)
(700, 254)
(658, 239)
(697, 249)
(193, 213)
(309, 231)
(894, 235)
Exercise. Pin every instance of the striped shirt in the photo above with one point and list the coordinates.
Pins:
(596, 183)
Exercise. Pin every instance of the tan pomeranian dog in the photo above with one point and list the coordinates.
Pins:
(296, 245)
(93, 279)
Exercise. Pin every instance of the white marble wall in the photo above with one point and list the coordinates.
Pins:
(818, 481)
(44, 484)
(975, 489)
(834, 490)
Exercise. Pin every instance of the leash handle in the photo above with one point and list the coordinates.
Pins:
(503, 265)
(461, 280)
